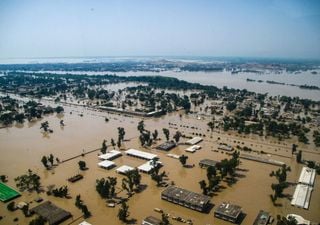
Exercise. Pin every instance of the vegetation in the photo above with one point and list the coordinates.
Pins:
(123, 212)
(183, 159)
(166, 132)
(281, 176)
(82, 165)
(106, 187)
(104, 147)
(29, 181)
(38, 221)
(80, 205)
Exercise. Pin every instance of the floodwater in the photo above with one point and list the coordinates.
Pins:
(238, 81)
(23, 146)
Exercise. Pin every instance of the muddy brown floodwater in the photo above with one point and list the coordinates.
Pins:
(22, 147)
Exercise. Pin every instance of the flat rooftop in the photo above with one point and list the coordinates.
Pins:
(148, 166)
(229, 210)
(141, 154)
(106, 164)
(186, 196)
(307, 176)
(194, 140)
(262, 218)
(302, 195)
(166, 146)
(124, 169)
(110, 155)
(150, 220)
(207, 162)
(52, 213)
(7, 193)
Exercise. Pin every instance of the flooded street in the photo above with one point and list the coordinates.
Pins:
(23, 146)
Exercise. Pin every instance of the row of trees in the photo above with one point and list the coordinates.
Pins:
(106, 187)
(218, 172)
(80, 205)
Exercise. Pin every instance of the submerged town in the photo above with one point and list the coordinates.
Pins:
(108, 149)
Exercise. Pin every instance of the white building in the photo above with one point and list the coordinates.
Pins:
(141, 154)
(124, 169)
(194, 141)
(110, 155)
(193, 148)
(106, 164)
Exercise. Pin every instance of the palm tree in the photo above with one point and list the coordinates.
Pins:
(166, 133)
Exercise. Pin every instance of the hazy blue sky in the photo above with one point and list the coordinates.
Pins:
(166, 27)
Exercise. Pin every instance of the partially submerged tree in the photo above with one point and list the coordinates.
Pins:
(123, 212)
(183, 159)
(29, 181)
(166, 133)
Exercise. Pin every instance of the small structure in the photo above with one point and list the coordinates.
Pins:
(174, 156)
(106, 164)
(124, 169)
(186, 198)
(52, 213)
(110, 155)
(84, 223)
(307, 176)
(225, 147)
(194, 141)
(141, 154)
(150, 220)
(228, 212)
(262, 160)
(193, 148)
(7, 193)
(148, 166)
(301, 196)
(300, 220)
(75, 178)
(207, 162)
(166, 146)
(262, 218)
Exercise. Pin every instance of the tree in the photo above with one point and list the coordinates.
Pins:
(11, 206)
(51, 159)
(78, 201)
(29, 181)
(59, 109)
(166, 133)
(123, 212)
(113, 143)
(203, 186)
(45, 126)
(299, 157)
(211, 125)
(294, 148)
(38, 221)
(286, 221)
(155, 135)
(211, 172)
(281, 174)
(140, 126)
(85, 211)
(82, 165)
(164, 219)
(177, 136)
(104, 147)
(45, 161)
(231, 106)
(183, 159)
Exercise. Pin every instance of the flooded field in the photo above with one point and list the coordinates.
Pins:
(22, 147)
(237, 81)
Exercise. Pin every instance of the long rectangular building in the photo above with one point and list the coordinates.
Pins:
(141, 154)
(186, 198)
(307, 176)
(302, 195)
(110, 155)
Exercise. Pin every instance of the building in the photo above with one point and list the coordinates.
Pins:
(124, 169)
(194, 141)
(141, 154)
(193, 148)
(228, 212)
(52, 213)
(106, 164)
(302, 195)
(186, 198)
(262, 160)
(84, 223)
(150, 220)
(263, 218)
(307, 176)
(148, 166)
(207, 162)
(224, 147)
(300, 220)
(110, 155)
(166, 146)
